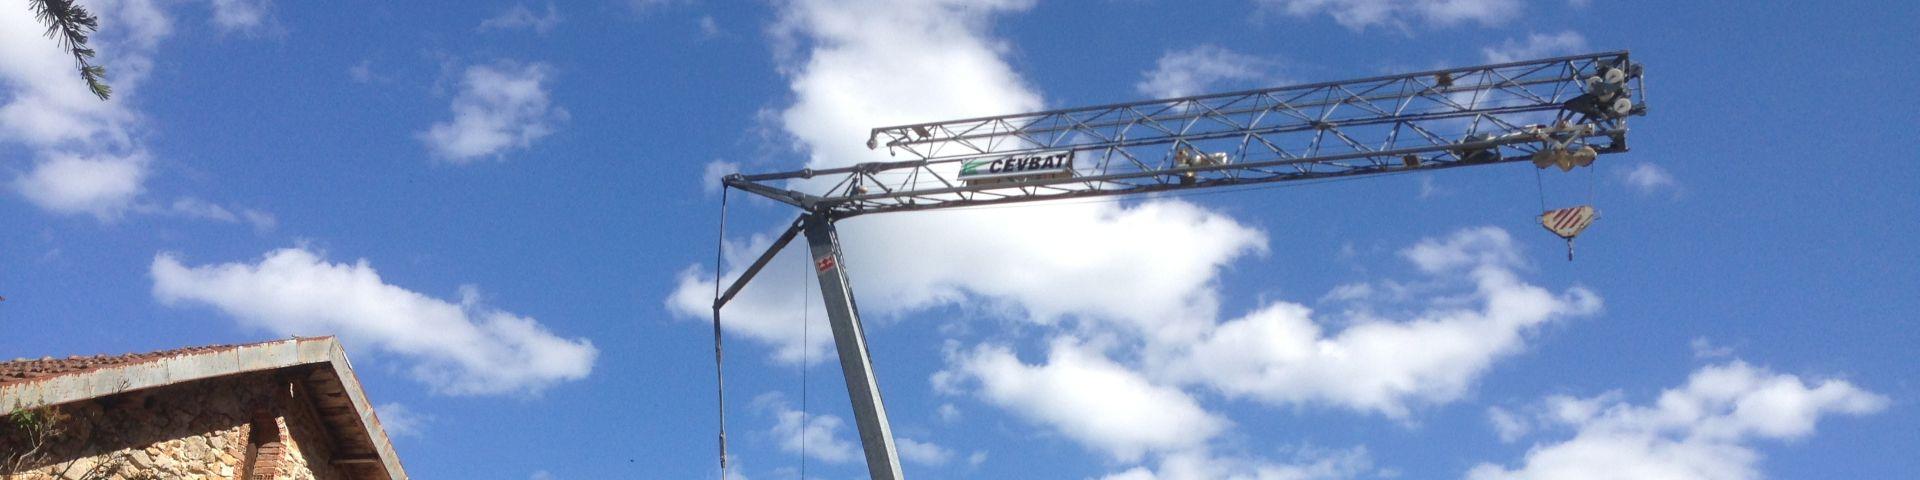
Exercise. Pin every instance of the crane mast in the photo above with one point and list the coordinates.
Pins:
(1561, 111)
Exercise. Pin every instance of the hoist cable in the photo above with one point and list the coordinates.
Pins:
(719, 376)
(806, 323)
(1593, 178)
(1540, 188)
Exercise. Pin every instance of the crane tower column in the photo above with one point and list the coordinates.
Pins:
(850, 339)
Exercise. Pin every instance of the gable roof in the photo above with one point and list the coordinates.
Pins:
(318, 363)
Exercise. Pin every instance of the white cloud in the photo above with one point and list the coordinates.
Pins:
(501, 106)
(522, 17)
(1360, 14)
(1477, 247)
(708, 27)
(1204, 69)
(89, 150)
(1430, 189)
(924, 453)
(817, 436)
(1121, 270)
(769, 309)
(1306, 464)
(1702, 430)
(240, 15)
(1138, 274)
(1088, 398)
(1703, 348)
(194, 208)
(197, 208)
(401, 421)
(261, 221)
(1282, 355)
(457, 348)
(1538, 45)
(715, 171)
(949, 413)
(48, 105)
(1146, 267)
(103, 186)
(648, 6)
(362, 72)
(1349, 292)
(1508, 425)
(1649, 178)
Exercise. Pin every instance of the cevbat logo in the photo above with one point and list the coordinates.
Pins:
(1049, 163)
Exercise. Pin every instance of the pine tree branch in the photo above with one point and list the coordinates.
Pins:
(70, 25)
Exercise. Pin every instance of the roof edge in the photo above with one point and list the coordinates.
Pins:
(158, 372)
(192, 366)
(337, 356)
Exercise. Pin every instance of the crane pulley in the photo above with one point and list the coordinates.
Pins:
(1555, 112)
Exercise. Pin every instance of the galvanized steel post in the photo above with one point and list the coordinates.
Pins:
(850, 339)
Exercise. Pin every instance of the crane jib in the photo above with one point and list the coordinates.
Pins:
(1553, 111)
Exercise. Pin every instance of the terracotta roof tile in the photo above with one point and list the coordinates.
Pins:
(26, 369)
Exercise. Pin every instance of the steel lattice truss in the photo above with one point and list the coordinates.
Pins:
(1395, 123)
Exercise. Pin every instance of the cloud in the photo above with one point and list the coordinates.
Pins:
(1204, 69)
(261, 221)
(648, 6)
(1538, 45)
(240, 15)
(457, 348)
(1648, 179)
(363, 72)
(1120, 268)
(1430, 189)
(103, 186)
(1702, 430)
(194, 208)
(90, 157)
(1137, 277)
(715, 171)
(520, 17)
(1146, 267)
(48, 106)
(924, 453)
(769, 310)
(817, 436)
(197, 208)
(1306, 464)
(1085, 396)
(501, 106)
(1703, 348)
(1476, 247)
(1509, 426)
(708, 27)
(1282, 355)
(401, 421)
(1361, 14)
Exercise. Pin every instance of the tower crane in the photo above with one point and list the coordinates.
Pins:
(1562, 111)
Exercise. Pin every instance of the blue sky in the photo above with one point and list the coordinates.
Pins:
(507, 210)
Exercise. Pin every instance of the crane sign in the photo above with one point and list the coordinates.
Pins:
(1555, 112)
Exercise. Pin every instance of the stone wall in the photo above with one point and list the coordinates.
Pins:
(220, 428)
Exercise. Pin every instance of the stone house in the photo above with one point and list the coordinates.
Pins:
(282, 410)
